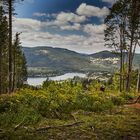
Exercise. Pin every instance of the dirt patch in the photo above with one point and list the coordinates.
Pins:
(137, 105)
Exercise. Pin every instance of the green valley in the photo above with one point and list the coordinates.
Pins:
(56, 61)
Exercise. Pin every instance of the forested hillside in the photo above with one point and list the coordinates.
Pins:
(57, 60)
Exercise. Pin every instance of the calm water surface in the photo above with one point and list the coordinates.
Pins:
(39, 81)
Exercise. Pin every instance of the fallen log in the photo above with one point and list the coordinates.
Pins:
(59, 126)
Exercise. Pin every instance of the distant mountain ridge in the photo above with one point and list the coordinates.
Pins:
(64, 60)
(104, 54)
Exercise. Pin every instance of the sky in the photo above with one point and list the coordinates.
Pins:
(76, 25)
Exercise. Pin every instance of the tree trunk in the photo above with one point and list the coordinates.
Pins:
(0, 70)
(10, 46)
(130, 60)
(128, 82)
(121, 57)
(121, 70)
(123, 67)
(14, 69)
(133, 25)
(138, 81)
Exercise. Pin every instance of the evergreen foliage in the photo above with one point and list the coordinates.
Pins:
(122, 33)
(18, 61)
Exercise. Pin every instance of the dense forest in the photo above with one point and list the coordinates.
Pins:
(13, 71)
(78, 108)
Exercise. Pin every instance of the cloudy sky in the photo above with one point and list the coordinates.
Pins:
(73, 24)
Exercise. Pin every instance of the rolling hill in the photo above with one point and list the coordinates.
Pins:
(49, 59)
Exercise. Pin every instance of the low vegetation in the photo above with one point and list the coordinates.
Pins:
(67, 111)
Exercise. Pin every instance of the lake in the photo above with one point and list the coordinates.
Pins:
(39, 81)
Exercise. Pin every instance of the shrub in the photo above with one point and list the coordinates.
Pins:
(117, 100)
(57, 100)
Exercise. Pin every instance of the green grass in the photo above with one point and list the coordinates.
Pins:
(121, 124)
(103, 114)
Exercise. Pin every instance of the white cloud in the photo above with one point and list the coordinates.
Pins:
(89, 11)
(95, 36)
(64, 21)
(72, 21)
(109, 1)
(33, 35)
(69, 17)
(37, 14)
(1, 3)
(30, 1)
(75, 26)
(26, 24)
(94, 29)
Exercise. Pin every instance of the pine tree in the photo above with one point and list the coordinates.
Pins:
(3, 50)
(10, 9)
(19, 64)
(133, 35)
(115, 34)
(124, 23)
(10, 5)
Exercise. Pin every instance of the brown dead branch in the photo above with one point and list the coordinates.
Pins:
(60, 126)
(19, 125)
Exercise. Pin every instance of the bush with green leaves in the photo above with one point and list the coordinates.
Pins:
(56, 100)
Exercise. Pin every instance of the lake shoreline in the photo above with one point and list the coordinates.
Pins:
(38, 81)
(54, 75)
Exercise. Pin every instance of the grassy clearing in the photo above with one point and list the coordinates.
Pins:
(122, 124)
(103, 114)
